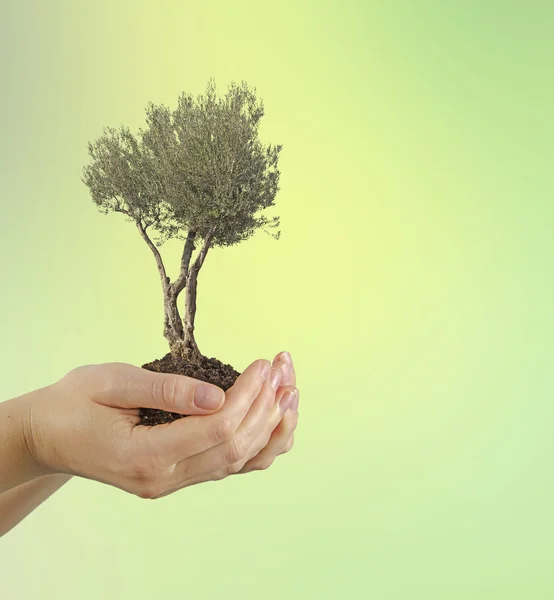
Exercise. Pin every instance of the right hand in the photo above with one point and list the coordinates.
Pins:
(87, 424)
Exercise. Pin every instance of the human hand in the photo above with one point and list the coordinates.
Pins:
(282, 437)
(87, 424)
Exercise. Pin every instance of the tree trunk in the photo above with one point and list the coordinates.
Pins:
(191, 348)
(173, 325)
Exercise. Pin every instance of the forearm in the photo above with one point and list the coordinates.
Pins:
(20, 501)
(17, 465)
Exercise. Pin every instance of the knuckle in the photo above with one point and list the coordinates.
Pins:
(148, 476)
(141, 471)
(264, 464)
(145, 468)
(80, 375)
(119, 369)
(165, 388)
(80, 371)
(150, 490)
(235, 451)
(223, 430)
(234, 468)
(267, 463)
(218, 475)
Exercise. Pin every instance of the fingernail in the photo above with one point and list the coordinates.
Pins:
(287, 374)
(286, 357)
(207, 397)
(294, 404)
(265, 370)
(287, 400)
(275, 378)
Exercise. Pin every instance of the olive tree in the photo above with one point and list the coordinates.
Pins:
(199, 174)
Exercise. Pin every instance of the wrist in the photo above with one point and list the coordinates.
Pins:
(39, 431)
(23, 441)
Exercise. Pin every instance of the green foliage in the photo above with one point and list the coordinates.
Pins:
(200, 167)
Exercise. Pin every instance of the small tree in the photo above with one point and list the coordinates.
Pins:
(198, 173)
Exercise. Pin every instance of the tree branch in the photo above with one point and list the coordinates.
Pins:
(204, 250)
(180, 282)
(156, 253)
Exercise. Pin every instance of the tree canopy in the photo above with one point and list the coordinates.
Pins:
(199, 168)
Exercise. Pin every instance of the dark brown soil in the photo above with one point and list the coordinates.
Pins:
(207, 369)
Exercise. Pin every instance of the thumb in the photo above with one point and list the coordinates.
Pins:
(133, 387)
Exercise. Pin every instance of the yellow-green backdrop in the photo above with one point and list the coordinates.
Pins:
(413, 285)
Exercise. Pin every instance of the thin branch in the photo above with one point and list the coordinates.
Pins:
(204, 250)
(155, 252)
(180, 282)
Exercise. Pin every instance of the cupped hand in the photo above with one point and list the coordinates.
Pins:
(282, 437)
(87, 424)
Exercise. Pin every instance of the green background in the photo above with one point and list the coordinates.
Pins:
(412, 285)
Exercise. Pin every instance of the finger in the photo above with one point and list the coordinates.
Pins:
(185, 477)
(285, 398)
(281, 441)
(290, 374)
(127, 386)
(264, 415)
(183, 438)
(265, 459)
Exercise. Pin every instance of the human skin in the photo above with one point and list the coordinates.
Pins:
(87, 425)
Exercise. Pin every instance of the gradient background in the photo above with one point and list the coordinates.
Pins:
(413, 285)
